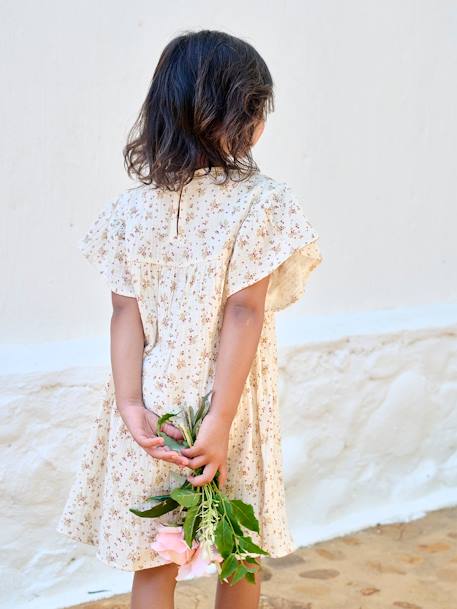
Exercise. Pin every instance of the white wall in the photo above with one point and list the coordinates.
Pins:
(364, 128)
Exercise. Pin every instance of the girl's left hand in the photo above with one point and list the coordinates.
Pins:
(209, 450)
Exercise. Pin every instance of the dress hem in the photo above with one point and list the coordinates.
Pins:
(150, 564)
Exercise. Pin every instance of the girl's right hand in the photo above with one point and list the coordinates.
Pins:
(142, 425)
(209, 450)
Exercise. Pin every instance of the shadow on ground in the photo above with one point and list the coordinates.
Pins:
(398, 566)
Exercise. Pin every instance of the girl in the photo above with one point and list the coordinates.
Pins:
(199, 257)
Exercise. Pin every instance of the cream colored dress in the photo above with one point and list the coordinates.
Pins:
(181, 271)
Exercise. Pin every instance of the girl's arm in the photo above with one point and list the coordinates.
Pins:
(240, 333)
(127, 345)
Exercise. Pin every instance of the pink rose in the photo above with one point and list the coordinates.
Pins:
(202, 563)
(170, 544)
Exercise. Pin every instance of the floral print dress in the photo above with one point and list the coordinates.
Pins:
(181, 258)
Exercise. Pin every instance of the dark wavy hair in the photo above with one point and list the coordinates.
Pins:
(208, 92)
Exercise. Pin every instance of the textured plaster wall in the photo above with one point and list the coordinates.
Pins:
(369, 425)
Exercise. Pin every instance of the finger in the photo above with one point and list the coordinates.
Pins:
(173, 431)
(165, 456)
(149, 442)
(192, 451)
(169, 455)
(198, 461)
(175, 461)
(176, 458)
(205, 477)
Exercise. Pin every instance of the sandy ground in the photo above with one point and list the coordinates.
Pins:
(400, 566)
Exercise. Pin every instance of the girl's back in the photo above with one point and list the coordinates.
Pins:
(181, 255)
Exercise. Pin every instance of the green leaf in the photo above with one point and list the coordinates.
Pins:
(250, 577)
(170, 442)
(199, 412)
(158, 510)
(186, 496)
(252, 560)
(203, 407)
(244, 512)
(188, 418)
(191, 416)
(189, 525)
(158, 497)
(196, 430)
(228, 566)
(207, 402)
(164, 418)
(231, 516)
(247, 545)
(187, 434)
(239, 573)
(224, 537)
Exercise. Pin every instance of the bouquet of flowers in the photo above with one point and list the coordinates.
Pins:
(209, 536)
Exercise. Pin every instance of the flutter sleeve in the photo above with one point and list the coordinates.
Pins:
(104, 246)
(275, 238)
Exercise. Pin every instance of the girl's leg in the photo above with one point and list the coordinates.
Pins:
(242, 595)
(154, 588)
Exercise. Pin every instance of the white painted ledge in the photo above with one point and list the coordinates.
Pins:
(299, 330)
